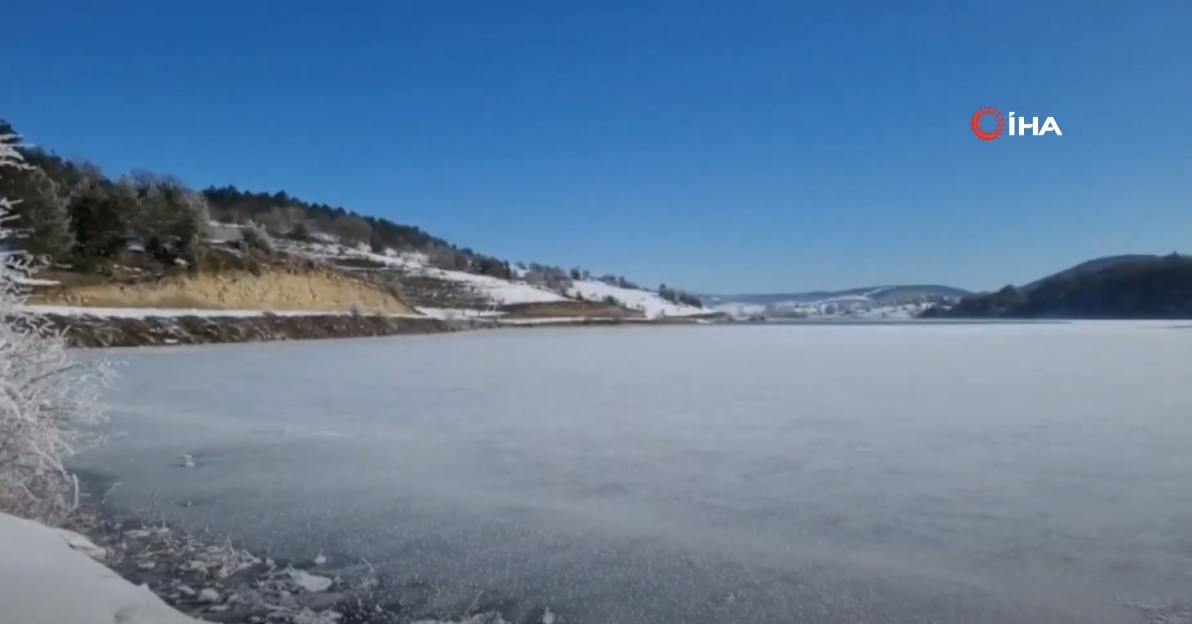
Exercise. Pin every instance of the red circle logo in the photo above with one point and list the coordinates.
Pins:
(997, 132)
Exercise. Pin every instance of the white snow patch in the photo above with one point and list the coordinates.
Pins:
(495, 289)
(43, 580)
(649, 302)
(33, 281)
(82, 544)
(458, 313)
(309, 582)
(328, 250)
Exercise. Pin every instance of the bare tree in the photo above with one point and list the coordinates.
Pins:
(443, 258)
(49, 401)
(352, 230)
(256, 237)
(277, 221)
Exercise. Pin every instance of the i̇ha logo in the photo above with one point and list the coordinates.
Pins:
(1049, 125)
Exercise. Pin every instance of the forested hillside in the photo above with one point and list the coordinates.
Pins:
(1141, 287)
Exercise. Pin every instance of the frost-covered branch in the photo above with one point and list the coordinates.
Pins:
(49, 401)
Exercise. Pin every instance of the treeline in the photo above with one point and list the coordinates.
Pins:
(679, 296)
(1152, 288)
(283, 215)
(70, 211)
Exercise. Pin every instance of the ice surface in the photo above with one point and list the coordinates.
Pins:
(757, 474)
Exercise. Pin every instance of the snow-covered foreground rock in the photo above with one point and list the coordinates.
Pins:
(44, 580)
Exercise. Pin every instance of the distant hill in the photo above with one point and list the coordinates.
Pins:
(1092, 266)
(1114, 287)
(880, 295)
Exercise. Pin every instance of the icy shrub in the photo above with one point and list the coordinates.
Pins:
(255, 237)
(49, 401)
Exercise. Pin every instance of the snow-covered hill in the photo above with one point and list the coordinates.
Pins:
(647, 301)
(428, 287)
(481, 291)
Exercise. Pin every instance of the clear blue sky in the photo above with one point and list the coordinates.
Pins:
(719, 146)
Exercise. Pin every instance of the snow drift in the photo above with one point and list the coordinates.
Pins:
(46, 577)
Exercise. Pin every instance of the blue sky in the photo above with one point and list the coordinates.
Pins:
(720, 146)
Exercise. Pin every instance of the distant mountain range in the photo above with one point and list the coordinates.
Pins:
(1133, 286)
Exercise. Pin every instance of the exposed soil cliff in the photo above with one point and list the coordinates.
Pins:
(269, 288)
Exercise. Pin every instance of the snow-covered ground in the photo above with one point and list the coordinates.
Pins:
(496, 290)
(44, 580)
(649, 302)
(458, 313)
(976, 473)
(501, 291)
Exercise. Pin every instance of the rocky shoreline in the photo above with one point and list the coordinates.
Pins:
(86, 331)
(209, 579)
(96, 331)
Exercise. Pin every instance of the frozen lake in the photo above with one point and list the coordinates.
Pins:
(759, 474)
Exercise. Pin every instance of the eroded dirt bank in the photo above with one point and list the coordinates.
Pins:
(94, 331)
(268, 288)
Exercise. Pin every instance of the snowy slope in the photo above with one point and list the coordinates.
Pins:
(499, 291)
(43, 580)
(496, 290)
(649, 302)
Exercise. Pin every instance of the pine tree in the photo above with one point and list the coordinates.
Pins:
(47, 219)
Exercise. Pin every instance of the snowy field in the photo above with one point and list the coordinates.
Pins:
(738, 474)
